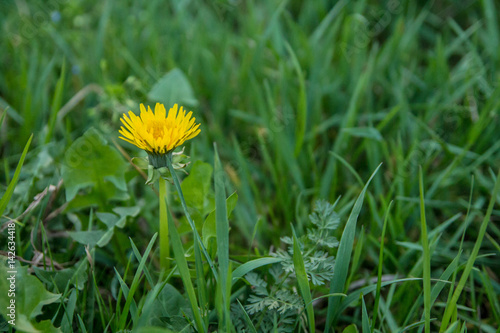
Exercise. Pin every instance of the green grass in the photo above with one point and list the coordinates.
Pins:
(304, 100)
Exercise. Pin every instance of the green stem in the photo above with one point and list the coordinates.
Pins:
(197, 237)
(164, 246)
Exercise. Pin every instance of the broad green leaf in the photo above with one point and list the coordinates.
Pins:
(112, 220)
(173, 87)
(168, 303)
(96, 195)
(76, 275)
(197, 185)
(90, 161)
(30, 297)
(89, 238)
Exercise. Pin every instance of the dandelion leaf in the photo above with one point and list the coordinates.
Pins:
(90, 161)
(30, 297)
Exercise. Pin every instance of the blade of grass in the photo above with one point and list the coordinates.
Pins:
(10, 189)
(380, 261)
(249, 266)
(164, 245)
(490, 293)
(303, 281)
(139, 259)
(341, 267)
(427, 258)
(201, 282)
(69, 311)
(453, 327)
(348, 166)
(300, 123)
(438, 287)
(126, 291)
(357, 254)
(222, 231)
(182, 265)
(450, 307)
(135, 284)
(96, 295)
(82, 325)
(248, 321)
(196, 235)
(56, 103)
(365, 321)
(4, 113)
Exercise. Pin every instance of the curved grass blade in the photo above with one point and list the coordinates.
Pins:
(182, 266)
(380, 261)
(365, 321)
(10, 189)
(196, 235)
(427, 256)
(135, 284)
(300, 125)
(300, 272)
(344, 257)
(222, 231)
(250, 326)
(249, 266)
(450, 307)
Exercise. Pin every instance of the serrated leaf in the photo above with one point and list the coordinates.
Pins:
(324, 216)
(173, 87)
(90, 161)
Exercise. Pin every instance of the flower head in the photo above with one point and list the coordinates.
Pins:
(158, 133)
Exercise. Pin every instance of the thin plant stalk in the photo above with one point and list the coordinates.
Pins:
(197, 237)
(164, 245)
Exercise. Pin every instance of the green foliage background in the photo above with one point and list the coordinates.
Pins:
(304, 99)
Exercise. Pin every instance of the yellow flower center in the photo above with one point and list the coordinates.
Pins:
(156, 128)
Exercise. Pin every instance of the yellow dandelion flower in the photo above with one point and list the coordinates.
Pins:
(159, 133)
